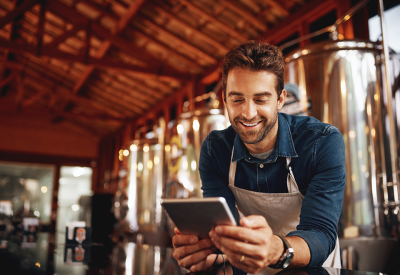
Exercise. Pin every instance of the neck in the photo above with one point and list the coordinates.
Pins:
(265, 145)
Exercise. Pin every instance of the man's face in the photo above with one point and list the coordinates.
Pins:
(252, 103)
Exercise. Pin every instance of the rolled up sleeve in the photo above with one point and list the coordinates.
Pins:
(323, 201)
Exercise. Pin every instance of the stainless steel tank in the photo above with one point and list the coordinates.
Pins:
(340, 82)
(137, 203)
(182, 151)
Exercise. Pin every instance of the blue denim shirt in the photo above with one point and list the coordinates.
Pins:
(317, 154)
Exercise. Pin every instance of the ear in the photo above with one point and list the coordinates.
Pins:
(281, 99)
(223, 97)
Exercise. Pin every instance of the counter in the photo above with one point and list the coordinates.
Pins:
(116, 258)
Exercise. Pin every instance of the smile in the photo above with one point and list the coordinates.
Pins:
(250, 125)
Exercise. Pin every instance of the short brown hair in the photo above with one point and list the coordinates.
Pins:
(255, 56)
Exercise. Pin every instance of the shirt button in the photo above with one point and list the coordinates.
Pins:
(261, 165)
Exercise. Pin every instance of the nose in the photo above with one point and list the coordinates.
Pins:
(249, 110)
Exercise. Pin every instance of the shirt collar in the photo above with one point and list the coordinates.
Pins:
(284, 146)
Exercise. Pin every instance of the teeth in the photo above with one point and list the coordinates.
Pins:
(249, 125)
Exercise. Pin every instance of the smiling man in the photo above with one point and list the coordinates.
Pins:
(284, 176)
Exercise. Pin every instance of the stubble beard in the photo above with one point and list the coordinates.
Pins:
(253, 137)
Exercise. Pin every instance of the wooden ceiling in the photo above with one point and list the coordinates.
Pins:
(100, 64)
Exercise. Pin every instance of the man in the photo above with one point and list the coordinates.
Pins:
(285, 174)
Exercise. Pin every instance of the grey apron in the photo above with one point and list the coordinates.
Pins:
(281, 210)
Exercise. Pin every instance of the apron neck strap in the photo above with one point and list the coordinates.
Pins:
(291, 182)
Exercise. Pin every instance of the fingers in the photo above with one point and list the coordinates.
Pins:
(203, 265)
(176, 231)
(181, 240)
(242, 233)
(254, 222)
(185, 251)
(189, 260)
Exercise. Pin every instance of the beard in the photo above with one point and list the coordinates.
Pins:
(254, 136)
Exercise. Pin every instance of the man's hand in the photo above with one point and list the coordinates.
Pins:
(251, 247)
(192, 253)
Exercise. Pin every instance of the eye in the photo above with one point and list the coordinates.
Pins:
(260, 101)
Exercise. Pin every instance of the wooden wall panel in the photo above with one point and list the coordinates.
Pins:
(34, 135)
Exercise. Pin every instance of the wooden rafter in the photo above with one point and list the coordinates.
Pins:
(128, 16)
(34, 98)
(40, 28)
(169, 52)
(278, 7)
(46, 112)
(8, 79)
(247, 15)
(35, 80)
(149, 90)
(75, 17)
(193, 31)
(132, 10)
(214, 21)
(313, 9)
(18, 10)
(152, 72)
(64, 36)
(177, 40)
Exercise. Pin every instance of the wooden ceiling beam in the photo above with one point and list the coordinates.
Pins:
(45, 112)
(196, 32)
(215, 22)
(18, 10)
(34, 98)
(169, 51)
(244, 13)
(123, 95)
(40, 27)
(41, 83)
(154, 94)
(105, 119)
(118, 98)
(75, 17)
(65, 35)
(145, 72)
(177, 40)
(8, 79)
(132, 10)
(307, 12)
(277, 7)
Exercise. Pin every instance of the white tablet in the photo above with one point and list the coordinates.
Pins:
(198, 216)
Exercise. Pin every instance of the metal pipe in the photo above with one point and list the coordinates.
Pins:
(331, 29)
(392, 135)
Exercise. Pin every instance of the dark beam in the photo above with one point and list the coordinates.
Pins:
(215, 22)
(194, 31)
(7, 80)
(40, 27)
(64, 36)
(132, 10)
(153, 72)
(34, 98)
(87, 42)
(75, 17)
(18, 10)
(277, 7)
(247, 15)
(177, 40)
(129, 15)
(39, 83)
(309, 11)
